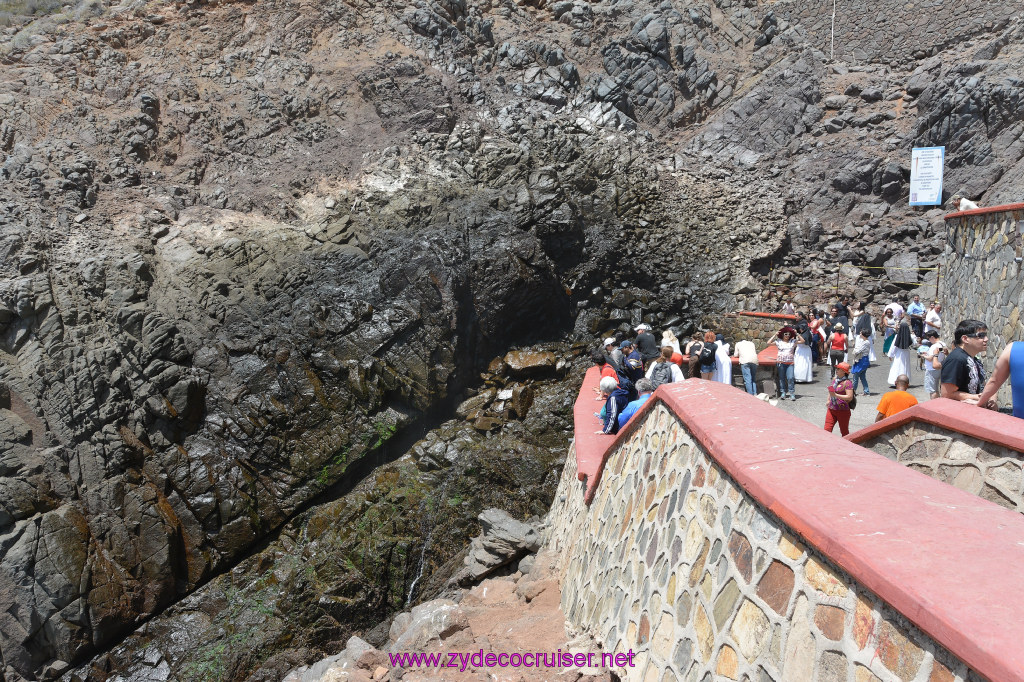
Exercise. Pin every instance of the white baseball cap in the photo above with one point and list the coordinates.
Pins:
(609, 340)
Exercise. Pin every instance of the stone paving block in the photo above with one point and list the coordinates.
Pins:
(832, 667)
(776, 586)
(801, 652)
(725, 602)
(698, 564)
(705, 635)
(791, 547)
(940, 673)
(823, 578)
(742, 554)
(751, 630)
(897, 653)
(862, 674)
(727, 664)
(830, 621)
(664, 635)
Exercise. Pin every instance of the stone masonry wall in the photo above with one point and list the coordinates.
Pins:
(982, 281)
(990, 471)
(674, 561)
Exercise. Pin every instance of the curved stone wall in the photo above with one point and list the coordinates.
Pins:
(988, 462)
(689, 556)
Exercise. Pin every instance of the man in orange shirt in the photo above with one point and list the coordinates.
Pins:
(896, 401)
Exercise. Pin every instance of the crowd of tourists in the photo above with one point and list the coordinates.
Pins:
(841, 337)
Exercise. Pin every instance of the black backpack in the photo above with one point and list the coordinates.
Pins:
(707, 353)
(627, 385)
(661, 374)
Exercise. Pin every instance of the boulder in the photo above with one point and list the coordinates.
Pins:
(521, 400)
(429, 623)
(470, 408)
(525, 363)
(903, 268)
(836, 101)
(503, 540)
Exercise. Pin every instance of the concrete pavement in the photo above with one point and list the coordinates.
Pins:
(812, 398)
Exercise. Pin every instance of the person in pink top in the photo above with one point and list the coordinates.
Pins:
(840, 394)
(785, 340)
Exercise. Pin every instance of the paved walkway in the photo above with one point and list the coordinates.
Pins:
(812, 398)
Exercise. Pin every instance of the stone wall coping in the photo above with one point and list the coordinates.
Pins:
(591, 448)
(1005, 208)
(994, 427)
(945, 559)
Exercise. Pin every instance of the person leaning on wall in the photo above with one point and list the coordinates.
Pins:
(1009, 365)
(963, 375)
(959, 203)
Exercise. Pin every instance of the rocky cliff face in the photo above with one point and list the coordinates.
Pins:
(245, 244)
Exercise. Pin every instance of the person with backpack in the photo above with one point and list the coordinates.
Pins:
(705, 351)
(663, 370)
(646, 389)
(840, 400)
(616, 400)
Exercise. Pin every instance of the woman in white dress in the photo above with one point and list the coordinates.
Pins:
(803, 359)
(900, 352)
(723, 362)
(870, 323)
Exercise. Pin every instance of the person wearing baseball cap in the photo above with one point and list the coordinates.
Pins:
(632, 363)
(646, 344)
(840, 395)
(613, 354)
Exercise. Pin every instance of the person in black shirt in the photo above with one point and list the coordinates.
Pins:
(963, 376)
(843, 309)
(838, 316)
(646, 344)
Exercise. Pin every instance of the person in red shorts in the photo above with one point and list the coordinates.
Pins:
(896, 401)
(840, 393)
